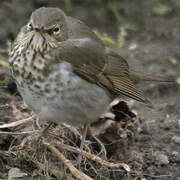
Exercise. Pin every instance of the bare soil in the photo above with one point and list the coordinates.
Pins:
(153, 48)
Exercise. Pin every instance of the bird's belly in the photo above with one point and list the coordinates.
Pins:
(65, 97)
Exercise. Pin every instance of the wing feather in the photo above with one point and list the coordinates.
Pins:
(99, 65)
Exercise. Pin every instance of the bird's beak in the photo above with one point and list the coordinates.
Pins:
(39, 27)
(39, 31)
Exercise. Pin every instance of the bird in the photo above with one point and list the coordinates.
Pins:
(65, 73)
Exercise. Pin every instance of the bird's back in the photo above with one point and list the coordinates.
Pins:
(77, 29)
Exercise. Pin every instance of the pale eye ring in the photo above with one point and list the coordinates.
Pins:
(56, 29)
(30, 26)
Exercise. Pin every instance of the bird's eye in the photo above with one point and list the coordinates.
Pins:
(30, 26)
(56, 29)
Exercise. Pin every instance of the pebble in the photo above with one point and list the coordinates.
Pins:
(137, 156)
(15, 173)
(162, 159)
(175, 153)
(176, 156)
(176, 139)
(179, 123)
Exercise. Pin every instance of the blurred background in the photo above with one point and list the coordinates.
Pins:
(147, 34)
(146, 31)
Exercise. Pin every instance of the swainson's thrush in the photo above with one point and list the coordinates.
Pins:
(64, 72)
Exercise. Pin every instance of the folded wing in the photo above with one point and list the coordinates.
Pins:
(99, 65)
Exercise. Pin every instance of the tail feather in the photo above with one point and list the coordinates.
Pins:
(124, 85)
(141, 77)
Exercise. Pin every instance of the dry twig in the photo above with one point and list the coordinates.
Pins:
(16, 123)
(90, 156)
(103, 149)
(17, 133)
(78, 174)
(94, 157)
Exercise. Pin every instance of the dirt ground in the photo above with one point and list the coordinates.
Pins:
(152, 46)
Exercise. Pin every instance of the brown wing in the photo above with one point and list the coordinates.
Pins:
(77, 29)
(99, 65)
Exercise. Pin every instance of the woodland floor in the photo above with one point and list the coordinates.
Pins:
(152, 151)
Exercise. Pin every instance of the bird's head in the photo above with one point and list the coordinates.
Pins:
(45, 29)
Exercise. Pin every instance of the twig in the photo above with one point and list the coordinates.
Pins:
(4, 106)
(17, 133)
(72, 129)
(103, 149)
(78, 174)
(95, 158)
(16, 123)
(158, 176)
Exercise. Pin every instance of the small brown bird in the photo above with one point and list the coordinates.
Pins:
(64, 72)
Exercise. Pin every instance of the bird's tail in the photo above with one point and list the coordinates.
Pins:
(137, 77)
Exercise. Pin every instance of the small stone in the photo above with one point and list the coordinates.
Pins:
(137, 156)
(176, 139)
(162, 159)
(15, 173)
(176, 156)
(133, 47)
(175, 153)
(179, 123)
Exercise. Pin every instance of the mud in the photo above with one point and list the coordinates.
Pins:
(153, 48)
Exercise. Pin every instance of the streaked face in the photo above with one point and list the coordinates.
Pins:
(45, 28)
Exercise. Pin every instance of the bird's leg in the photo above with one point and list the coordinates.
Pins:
(79, 158)
(44, 131)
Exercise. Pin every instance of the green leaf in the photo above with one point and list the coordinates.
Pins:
(161, 9)
(4, 64)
